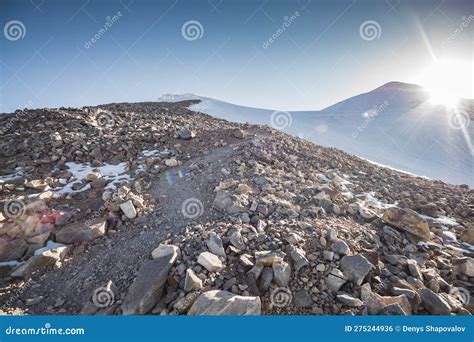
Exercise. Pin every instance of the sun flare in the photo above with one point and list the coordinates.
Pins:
(448, 81)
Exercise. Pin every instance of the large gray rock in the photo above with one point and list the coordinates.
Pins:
(355, 268)
(82, 231)
(335, 280)
(223, 303)
(147, 287)
(433, 303)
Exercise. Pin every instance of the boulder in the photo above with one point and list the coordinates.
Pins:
(407, 220)
(434, 303)
(355, 268)
(147, 287)
(82, 231)
(223, 303)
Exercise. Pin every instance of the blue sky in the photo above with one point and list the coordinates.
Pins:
(320, 58)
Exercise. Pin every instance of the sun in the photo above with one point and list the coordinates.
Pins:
(448, 81)
(443, 97)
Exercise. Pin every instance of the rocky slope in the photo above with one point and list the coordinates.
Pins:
(150, 208)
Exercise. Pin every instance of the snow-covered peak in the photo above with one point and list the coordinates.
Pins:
(178, 97)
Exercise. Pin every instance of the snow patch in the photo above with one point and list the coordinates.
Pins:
(115, 173)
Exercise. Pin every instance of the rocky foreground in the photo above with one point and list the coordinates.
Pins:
(150, 208)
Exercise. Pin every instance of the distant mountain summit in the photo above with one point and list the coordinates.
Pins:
(395, 125)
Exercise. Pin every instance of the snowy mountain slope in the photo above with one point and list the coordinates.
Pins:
(394, 125)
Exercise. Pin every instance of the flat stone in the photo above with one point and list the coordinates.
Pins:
(434, 303)
(165, 250)
(12, 250)
(407, 220)
(192, 281)
(223, 303)
(215, 246)
(147, 288)
(82, 231)
(355, 268)
(210, 261)
(281, 273)
(349, 300)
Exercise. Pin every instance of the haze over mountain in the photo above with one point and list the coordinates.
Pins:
(395, 125)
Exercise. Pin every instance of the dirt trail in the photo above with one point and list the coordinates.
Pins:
(117, 257)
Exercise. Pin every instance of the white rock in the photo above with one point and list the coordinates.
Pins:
(128, 209)
(210, 261)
